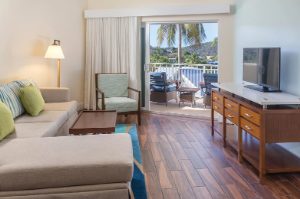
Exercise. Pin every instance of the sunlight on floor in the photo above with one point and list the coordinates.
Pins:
(185, 109)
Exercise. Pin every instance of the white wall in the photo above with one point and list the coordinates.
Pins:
(26, 30)
(270, 23)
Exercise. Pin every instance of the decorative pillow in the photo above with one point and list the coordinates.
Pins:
(11, 100)
(7, 125)
(32, 100)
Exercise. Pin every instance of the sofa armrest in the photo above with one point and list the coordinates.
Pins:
(52, 95)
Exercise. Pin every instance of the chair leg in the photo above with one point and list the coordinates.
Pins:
(139, 118)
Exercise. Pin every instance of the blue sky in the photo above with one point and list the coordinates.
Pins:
(211, 30)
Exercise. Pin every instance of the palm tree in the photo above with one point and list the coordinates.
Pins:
(214, 42)
(192, 34)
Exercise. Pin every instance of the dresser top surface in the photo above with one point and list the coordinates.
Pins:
(262, 98)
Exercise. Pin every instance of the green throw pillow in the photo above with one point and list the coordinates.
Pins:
(7, 124)
(32, 100)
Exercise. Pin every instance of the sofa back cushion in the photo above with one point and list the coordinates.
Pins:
(9, 95)
(7, 125)
(113, 85)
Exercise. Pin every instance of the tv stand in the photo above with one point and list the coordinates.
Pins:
(268, 118)
(261, 88)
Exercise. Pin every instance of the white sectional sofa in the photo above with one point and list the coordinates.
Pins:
(58, 116)
(39, 160)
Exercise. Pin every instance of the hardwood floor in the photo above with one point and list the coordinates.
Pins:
(182, 160)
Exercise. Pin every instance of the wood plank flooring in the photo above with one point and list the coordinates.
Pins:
(182, 160)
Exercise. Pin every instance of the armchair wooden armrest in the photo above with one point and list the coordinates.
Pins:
(98, 90)
(138, 91)
(139, 99)
(102, 98)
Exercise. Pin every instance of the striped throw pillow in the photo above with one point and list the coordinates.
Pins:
(9, 95)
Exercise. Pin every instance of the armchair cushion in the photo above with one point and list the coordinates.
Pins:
(169, 88)
(113, 85)
(120, 104)
(158, 82)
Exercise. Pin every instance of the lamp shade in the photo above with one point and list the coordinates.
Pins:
(54, 52)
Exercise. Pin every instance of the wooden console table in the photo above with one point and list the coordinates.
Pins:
(268, 117)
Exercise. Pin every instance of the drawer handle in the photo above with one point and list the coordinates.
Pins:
(248, 128)
(247, 115)
(215, 107)
(230, 116)
(229, 105)
(216, 98)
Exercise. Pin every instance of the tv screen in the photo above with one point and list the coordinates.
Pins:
(262, 67)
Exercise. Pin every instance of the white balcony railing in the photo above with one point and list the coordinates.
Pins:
(190, 74)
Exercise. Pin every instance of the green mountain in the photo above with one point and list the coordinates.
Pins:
(206, 49)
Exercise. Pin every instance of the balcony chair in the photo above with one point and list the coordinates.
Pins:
(208, 79)
(162, 91)
(113, 93)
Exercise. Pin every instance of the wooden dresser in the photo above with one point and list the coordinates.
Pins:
(267, 117)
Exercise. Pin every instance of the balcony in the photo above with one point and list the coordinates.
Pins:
(191, 75)
(188, 75)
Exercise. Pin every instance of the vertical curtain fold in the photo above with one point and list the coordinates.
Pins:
(112, 46)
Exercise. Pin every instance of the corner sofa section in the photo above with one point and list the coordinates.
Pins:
(56, 119)
(37, 161)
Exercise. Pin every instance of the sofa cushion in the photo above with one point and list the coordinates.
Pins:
(32, 100)
(34, 130)
(120, 104)
(65, 161)
(59, 117)
(71, 107)
(6, 121)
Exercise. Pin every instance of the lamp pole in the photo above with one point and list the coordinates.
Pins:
(58, 73)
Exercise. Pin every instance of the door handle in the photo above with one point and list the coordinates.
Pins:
(248, 128)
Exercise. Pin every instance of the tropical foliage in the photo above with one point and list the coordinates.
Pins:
(191, 34)
(193, 59)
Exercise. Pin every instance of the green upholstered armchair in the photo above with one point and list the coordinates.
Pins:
(113, 93)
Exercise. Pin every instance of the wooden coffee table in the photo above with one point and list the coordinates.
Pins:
(94, 122)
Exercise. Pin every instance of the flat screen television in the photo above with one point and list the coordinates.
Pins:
(261, 66)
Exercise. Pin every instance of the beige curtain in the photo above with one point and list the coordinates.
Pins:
(112, 46)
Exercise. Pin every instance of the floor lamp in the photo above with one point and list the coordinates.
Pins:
(54, 51)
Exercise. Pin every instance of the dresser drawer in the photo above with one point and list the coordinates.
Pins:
(232, 106)
(250, 128)
(217, 107)
(233, 117)
(217, 97)
(250, 115)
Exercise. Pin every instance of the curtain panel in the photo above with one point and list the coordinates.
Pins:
(112, 46)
